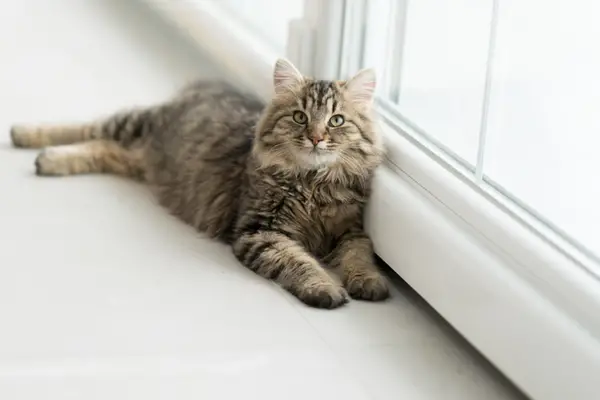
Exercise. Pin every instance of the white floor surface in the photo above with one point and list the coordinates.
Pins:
(103, 295)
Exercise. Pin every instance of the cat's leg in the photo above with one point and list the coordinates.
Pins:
(275, 256)
(39, 136)
(96, 156)
(353, 259)
(124, 127)
(110, 145)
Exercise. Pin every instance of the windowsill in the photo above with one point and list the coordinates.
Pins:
(525, 306)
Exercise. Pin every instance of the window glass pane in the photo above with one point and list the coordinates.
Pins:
(544, 125)
(442, 73)
(268, 18)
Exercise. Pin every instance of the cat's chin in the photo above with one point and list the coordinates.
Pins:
(317, 158)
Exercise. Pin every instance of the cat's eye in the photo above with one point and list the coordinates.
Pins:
(300, 117)
(336, 120)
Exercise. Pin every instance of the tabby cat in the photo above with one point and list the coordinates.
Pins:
(285, 184)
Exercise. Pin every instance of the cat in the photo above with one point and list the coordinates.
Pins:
(284, 183)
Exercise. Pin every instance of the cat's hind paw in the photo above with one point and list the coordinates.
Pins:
(21, 136)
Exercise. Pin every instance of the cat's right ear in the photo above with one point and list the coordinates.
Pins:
(285, 76)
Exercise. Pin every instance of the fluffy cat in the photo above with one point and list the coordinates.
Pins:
(285, 184)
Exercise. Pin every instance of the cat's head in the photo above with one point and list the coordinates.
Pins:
(316, 124)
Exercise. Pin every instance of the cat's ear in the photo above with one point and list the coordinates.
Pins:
(286, 76)
(361, 86)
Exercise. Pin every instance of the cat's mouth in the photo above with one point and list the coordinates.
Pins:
(321, 148)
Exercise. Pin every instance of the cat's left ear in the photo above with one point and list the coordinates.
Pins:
(361, 87)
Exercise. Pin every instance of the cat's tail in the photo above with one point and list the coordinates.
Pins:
(124, 128)
(105, 146)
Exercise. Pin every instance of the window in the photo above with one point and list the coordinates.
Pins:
(508, 90)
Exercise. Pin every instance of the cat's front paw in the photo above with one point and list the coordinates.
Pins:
(323, 295)
(368, 286)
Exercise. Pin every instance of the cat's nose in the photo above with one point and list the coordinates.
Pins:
(316, 139)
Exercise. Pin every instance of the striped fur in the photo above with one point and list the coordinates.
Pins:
(286, 191)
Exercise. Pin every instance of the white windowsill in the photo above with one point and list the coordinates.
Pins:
(526, 307)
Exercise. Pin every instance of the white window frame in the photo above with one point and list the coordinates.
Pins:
(522, 302)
